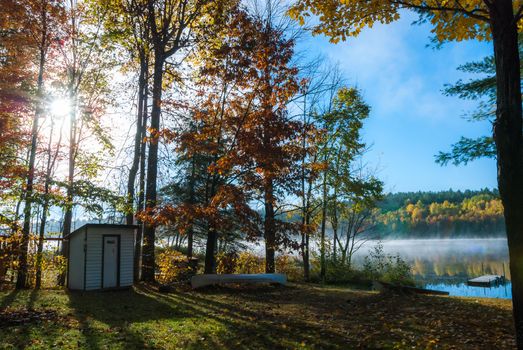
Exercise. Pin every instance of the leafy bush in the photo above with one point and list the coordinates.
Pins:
(173, 266)
(377, 266)
(338, 273)
(249, 263)
(226, 262)
(387, 267)
(52, 265)
(243, 262)
(289, 265)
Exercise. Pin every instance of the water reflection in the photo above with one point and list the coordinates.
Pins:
(446, 264)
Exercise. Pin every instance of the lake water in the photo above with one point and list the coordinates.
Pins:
(446, 264)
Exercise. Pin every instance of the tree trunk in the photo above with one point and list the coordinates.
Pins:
(190, 231)
(210, 250)
(508, 138)
(141, 194)
(40, 249)
(21, 280)
(305, 239)
(323, 269)
(334, 239)
(137, 141)
(307, 251)
(269, 228)
(148, 262)
(68, 215)
(212, 234)
(305, 201)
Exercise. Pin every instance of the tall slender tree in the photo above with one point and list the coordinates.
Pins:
(42, 19)
(272, 143)
(175, 25)
(52, 154)
(85, 59)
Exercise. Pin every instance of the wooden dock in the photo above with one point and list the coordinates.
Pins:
(486, 280)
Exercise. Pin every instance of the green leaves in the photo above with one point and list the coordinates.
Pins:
(483, 90)
(467, 150)
(343, 145)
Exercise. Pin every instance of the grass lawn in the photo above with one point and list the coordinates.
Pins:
(294, 317)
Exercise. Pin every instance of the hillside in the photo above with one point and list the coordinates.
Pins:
(442, 214)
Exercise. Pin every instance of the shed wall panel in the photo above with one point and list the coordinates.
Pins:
(76, 261)
(126, 257)
(93, 271)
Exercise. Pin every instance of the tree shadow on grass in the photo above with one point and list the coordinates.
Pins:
(286, 318)
(8, 299)
(26, 322)
(268, 317)
(254, 328)
(107, 318)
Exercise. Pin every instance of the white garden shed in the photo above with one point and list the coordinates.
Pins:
(100, 256)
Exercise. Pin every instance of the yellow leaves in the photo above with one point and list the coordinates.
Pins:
(246, 262)
(341, 19)
(171, 265)
(243, 262)
(51, 265)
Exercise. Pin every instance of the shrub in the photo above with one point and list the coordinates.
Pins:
(52, 265)
(387, 267)
(249, 263)
(243, 262)
(173, 266)
(226, 262)
(289, 265)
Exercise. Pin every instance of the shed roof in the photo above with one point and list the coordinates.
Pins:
(101, 226)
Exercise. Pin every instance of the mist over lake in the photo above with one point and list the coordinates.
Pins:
(446, 264)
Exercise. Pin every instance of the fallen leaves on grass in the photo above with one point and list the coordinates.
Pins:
(294, 317)
(17, 317)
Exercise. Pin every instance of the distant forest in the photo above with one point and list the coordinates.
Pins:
(445, 214)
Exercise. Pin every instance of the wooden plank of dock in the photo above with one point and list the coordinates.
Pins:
(485, 281)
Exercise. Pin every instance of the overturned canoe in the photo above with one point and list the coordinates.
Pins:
(208, 280)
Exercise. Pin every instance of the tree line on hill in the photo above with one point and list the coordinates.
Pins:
(444, 214)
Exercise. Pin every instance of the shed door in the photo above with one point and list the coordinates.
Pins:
(110, 266)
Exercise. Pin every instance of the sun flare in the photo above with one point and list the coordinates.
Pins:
(60, 107)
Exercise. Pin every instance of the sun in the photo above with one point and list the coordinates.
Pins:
(60, 107)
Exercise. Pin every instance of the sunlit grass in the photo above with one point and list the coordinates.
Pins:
(299, 316)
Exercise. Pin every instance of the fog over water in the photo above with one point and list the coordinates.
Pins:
(444, 264)
(447, 264)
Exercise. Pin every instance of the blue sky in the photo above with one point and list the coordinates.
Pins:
(411, 120)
